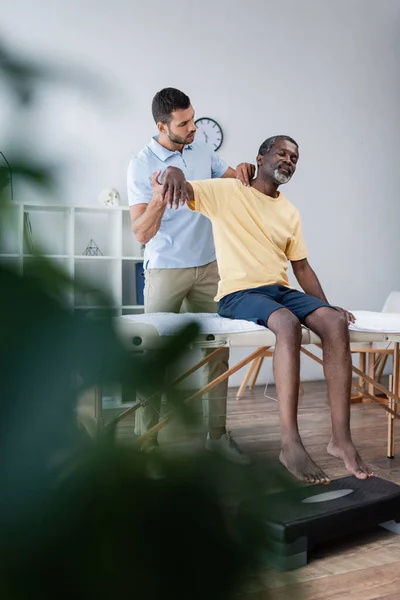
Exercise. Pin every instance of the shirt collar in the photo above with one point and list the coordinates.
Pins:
(161, 152)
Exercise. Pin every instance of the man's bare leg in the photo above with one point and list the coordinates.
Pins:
(331, 326)
(287, 379)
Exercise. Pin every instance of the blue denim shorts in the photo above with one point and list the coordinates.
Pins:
(257, 304)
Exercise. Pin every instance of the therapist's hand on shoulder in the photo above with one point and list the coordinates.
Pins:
(245, 173)
(172, 191)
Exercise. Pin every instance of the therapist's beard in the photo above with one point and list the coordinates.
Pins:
(281, 177)
(176, 139)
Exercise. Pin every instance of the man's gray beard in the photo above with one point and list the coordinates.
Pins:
(281, 177)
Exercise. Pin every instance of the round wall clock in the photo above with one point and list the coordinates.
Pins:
(210, 132)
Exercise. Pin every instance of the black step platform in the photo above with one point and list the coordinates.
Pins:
(298, 520)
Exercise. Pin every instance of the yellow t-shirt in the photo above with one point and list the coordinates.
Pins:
(255, 235)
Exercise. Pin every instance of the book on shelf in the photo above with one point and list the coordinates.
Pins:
(6, 183)
(28, 238)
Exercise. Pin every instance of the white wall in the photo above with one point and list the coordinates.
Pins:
(325, 72)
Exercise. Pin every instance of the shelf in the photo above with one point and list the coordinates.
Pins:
(130, 246)
(61, 206)
(11, 262)
(99, 227)
(10, 223)
(136, 258)
(97, 257)
(98, 277)
(132, 311)
(97, 307)
(46, 208)
(75, 257)
(46, 256)
(50, 230)
(34, 264)
(88, 208)
(61, 234)
(100, 209)
(133, 306)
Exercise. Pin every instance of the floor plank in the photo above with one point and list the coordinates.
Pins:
(363, 567)
(374, 583)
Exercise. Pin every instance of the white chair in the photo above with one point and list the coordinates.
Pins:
(392, 304)
(376, 352)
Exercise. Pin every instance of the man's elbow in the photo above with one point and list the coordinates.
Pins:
(300, 270)
(140, 235)
(300, 265)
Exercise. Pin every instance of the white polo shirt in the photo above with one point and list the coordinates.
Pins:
(185, 238)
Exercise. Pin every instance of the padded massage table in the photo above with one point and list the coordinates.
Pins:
(294, 524)
(152, 331)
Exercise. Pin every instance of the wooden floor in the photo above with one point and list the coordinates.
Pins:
(366, 567)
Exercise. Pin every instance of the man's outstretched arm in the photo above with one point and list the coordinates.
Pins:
(175, 188)
(311, 285)
(205, 196)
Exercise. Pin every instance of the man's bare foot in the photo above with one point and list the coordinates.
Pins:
(294, 457)
(347, 452)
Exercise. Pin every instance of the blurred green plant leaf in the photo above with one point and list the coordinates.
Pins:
(88, 514)
(23, 77)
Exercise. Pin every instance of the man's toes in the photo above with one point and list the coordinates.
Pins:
(360, 474)
(324, 479)
(318, 477)
(315, 476)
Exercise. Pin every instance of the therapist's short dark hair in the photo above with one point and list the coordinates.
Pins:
(166, 101)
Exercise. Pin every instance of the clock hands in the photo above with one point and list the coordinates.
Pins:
(214, 136)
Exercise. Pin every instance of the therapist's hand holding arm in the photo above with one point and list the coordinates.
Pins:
(174, 189)
(146, 218)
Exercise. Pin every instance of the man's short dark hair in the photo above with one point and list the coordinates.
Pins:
(166, 101)
(270, 142)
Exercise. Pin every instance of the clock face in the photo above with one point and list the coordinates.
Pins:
(210, 132)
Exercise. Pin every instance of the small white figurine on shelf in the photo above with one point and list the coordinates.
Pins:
(109, 197)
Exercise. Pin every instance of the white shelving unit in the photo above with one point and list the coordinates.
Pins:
(63, 233)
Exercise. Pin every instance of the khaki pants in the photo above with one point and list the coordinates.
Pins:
(186, 290)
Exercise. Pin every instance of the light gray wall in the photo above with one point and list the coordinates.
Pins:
(324, 72)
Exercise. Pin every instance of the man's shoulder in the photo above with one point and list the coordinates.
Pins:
(220, 183)
(289, 206)
(226, 190)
